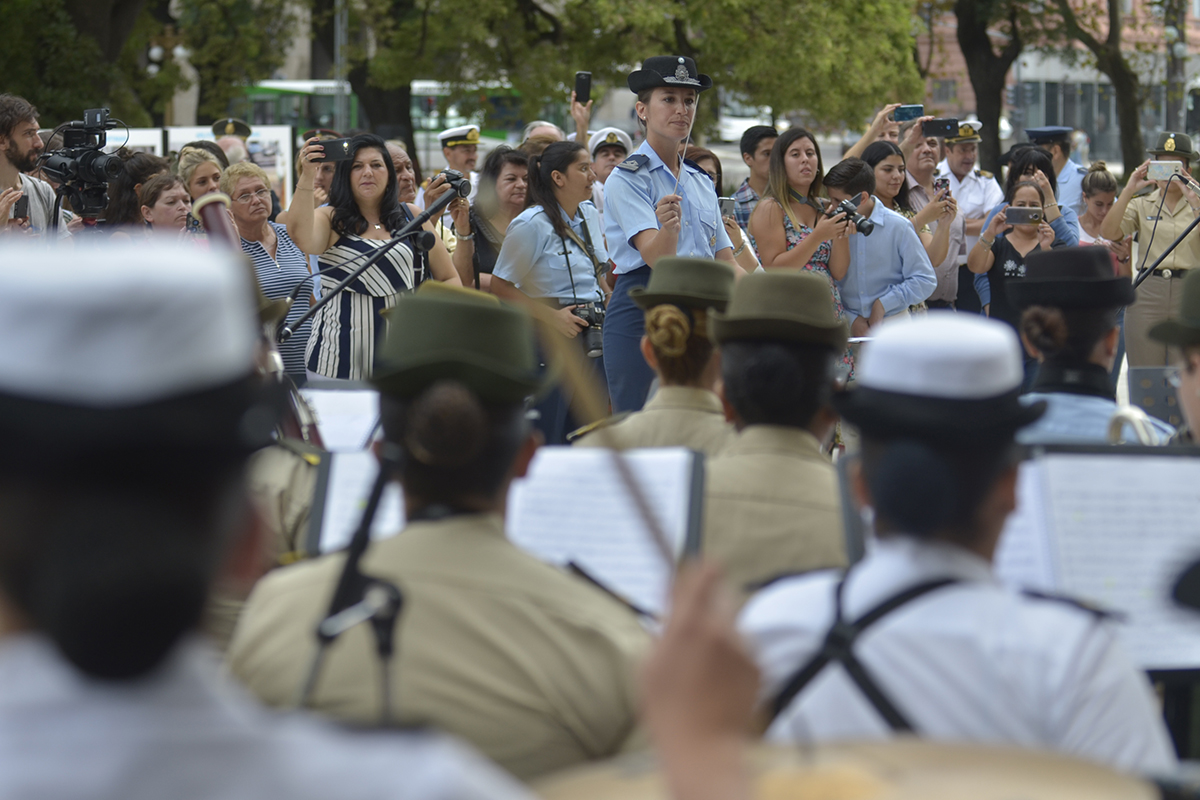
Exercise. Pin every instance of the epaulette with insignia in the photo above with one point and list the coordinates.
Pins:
(579, 433)
(634, 162)
(1082, 605)
(983, 173)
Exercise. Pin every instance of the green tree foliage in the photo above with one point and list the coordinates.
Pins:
(234, 43)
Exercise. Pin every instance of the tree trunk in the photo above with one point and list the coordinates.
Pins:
(1175, 15)
(109, 22)
(988, 71)
(1129, 110)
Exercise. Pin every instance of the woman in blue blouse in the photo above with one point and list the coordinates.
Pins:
(552, 255)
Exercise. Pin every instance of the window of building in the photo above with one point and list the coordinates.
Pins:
(946, 91)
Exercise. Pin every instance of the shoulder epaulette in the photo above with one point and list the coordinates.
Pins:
(579, 433)
(1082, 605)
(1082, 170)
(634, 162)
(983, 173)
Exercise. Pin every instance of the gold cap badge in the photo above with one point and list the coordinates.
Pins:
(1170, 145)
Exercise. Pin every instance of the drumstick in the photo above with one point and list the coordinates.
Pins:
(585, 400)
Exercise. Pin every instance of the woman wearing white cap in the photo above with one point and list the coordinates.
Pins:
(655, 205)
(951, 654)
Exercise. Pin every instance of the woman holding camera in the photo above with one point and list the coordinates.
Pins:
(364, 208)
(480, 227)
(655, 205)
(789, 227)
(550, 260)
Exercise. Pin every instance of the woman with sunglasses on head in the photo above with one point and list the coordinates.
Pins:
(364, 209)
(655, 206)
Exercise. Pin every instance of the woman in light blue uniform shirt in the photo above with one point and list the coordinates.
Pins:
(647, 217)
(1070, 298)
(550, 261)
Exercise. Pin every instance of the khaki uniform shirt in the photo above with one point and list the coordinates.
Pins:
(772, 507)
(1140, 215)
(533, 667)
(676, 416)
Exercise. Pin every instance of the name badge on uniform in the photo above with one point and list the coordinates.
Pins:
(1152, 217)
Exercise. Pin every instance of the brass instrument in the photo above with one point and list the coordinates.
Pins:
(1139, 421)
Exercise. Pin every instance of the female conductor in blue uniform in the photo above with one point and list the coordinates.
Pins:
(647, 217)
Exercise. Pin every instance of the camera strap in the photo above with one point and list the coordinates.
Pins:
(804, 201)
(586, 244)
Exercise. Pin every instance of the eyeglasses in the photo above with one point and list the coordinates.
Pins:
(261, 194)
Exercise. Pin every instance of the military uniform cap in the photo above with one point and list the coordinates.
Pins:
(668, 71)
(949, 378)
(1174, 144)
(1049, 134)
(463, 134)
(151, 347)
(1071, 277)
(320, 133)
(1183, 330)
(230, 127)
(686, 282)
(461, 335)
(782, 306)
(609, 136)
(968, 131)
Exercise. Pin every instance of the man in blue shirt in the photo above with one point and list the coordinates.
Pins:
(889, 269)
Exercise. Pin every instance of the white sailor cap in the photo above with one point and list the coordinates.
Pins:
(117, 345)
(463, 134)
(941, 375)
(610, 136)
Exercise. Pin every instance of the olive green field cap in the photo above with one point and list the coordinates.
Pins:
(687, 282)
(1184, 330)
(780, 305)
(450, 333)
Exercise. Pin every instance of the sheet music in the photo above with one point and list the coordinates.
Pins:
(350, 479)
(1125, 527)
(1023, 559)
(345, 417)
(573, 506)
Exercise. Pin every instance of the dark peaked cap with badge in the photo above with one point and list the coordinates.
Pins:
(1173, 144)
(953, 379)
(457, 334)
(231, 126)
(780, 306)
(668, 71)
(1071, 277)
(686, 282)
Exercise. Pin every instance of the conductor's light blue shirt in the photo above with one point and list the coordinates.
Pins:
(535, 260)
(890, 265)
(630, 198)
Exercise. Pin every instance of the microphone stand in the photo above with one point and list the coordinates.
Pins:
(459, 187)
(361, 598)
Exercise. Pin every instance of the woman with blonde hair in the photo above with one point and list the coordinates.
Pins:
(200, 172)
(685, 411)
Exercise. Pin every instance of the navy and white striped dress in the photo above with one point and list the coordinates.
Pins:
(346, 331)
(278, 277)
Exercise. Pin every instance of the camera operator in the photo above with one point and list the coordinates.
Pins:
(550, 259)
(889, 269)
(27, 203)
(481, 225)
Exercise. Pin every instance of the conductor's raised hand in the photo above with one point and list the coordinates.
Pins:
(669, 213)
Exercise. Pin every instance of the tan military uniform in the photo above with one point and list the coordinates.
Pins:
(532, 666)
(772, 507)
(676, 416)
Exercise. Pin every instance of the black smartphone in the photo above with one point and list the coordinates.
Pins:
(905, 113)
(21, 207)
(583, 87)
(940, 128)
(335, 150)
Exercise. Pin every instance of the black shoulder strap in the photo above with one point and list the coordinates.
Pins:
(839, 647)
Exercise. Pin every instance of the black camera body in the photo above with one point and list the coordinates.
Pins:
(593, 334)
(459, 183)
(81, 167)
(861, 223)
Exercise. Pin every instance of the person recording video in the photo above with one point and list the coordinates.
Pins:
(550, 260)
(26, 202)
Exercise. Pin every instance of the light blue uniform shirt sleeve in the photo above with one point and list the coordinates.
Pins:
(983, 289)
(542, 265)
(918, 280)
(522, 243)
(628, 210)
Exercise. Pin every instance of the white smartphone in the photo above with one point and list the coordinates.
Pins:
(1163, 170)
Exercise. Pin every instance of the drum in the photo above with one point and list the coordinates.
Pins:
(899, 769)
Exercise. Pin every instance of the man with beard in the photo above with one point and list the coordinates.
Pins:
(27, 203)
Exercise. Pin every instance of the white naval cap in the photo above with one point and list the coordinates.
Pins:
(117, 325)
(947, 355)
(463, 134)
(610, 136)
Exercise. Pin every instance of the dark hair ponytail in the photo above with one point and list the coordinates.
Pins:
(1067, 334)
(558, 157)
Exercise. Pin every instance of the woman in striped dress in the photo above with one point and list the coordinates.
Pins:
(278, 263)
(364, 208)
